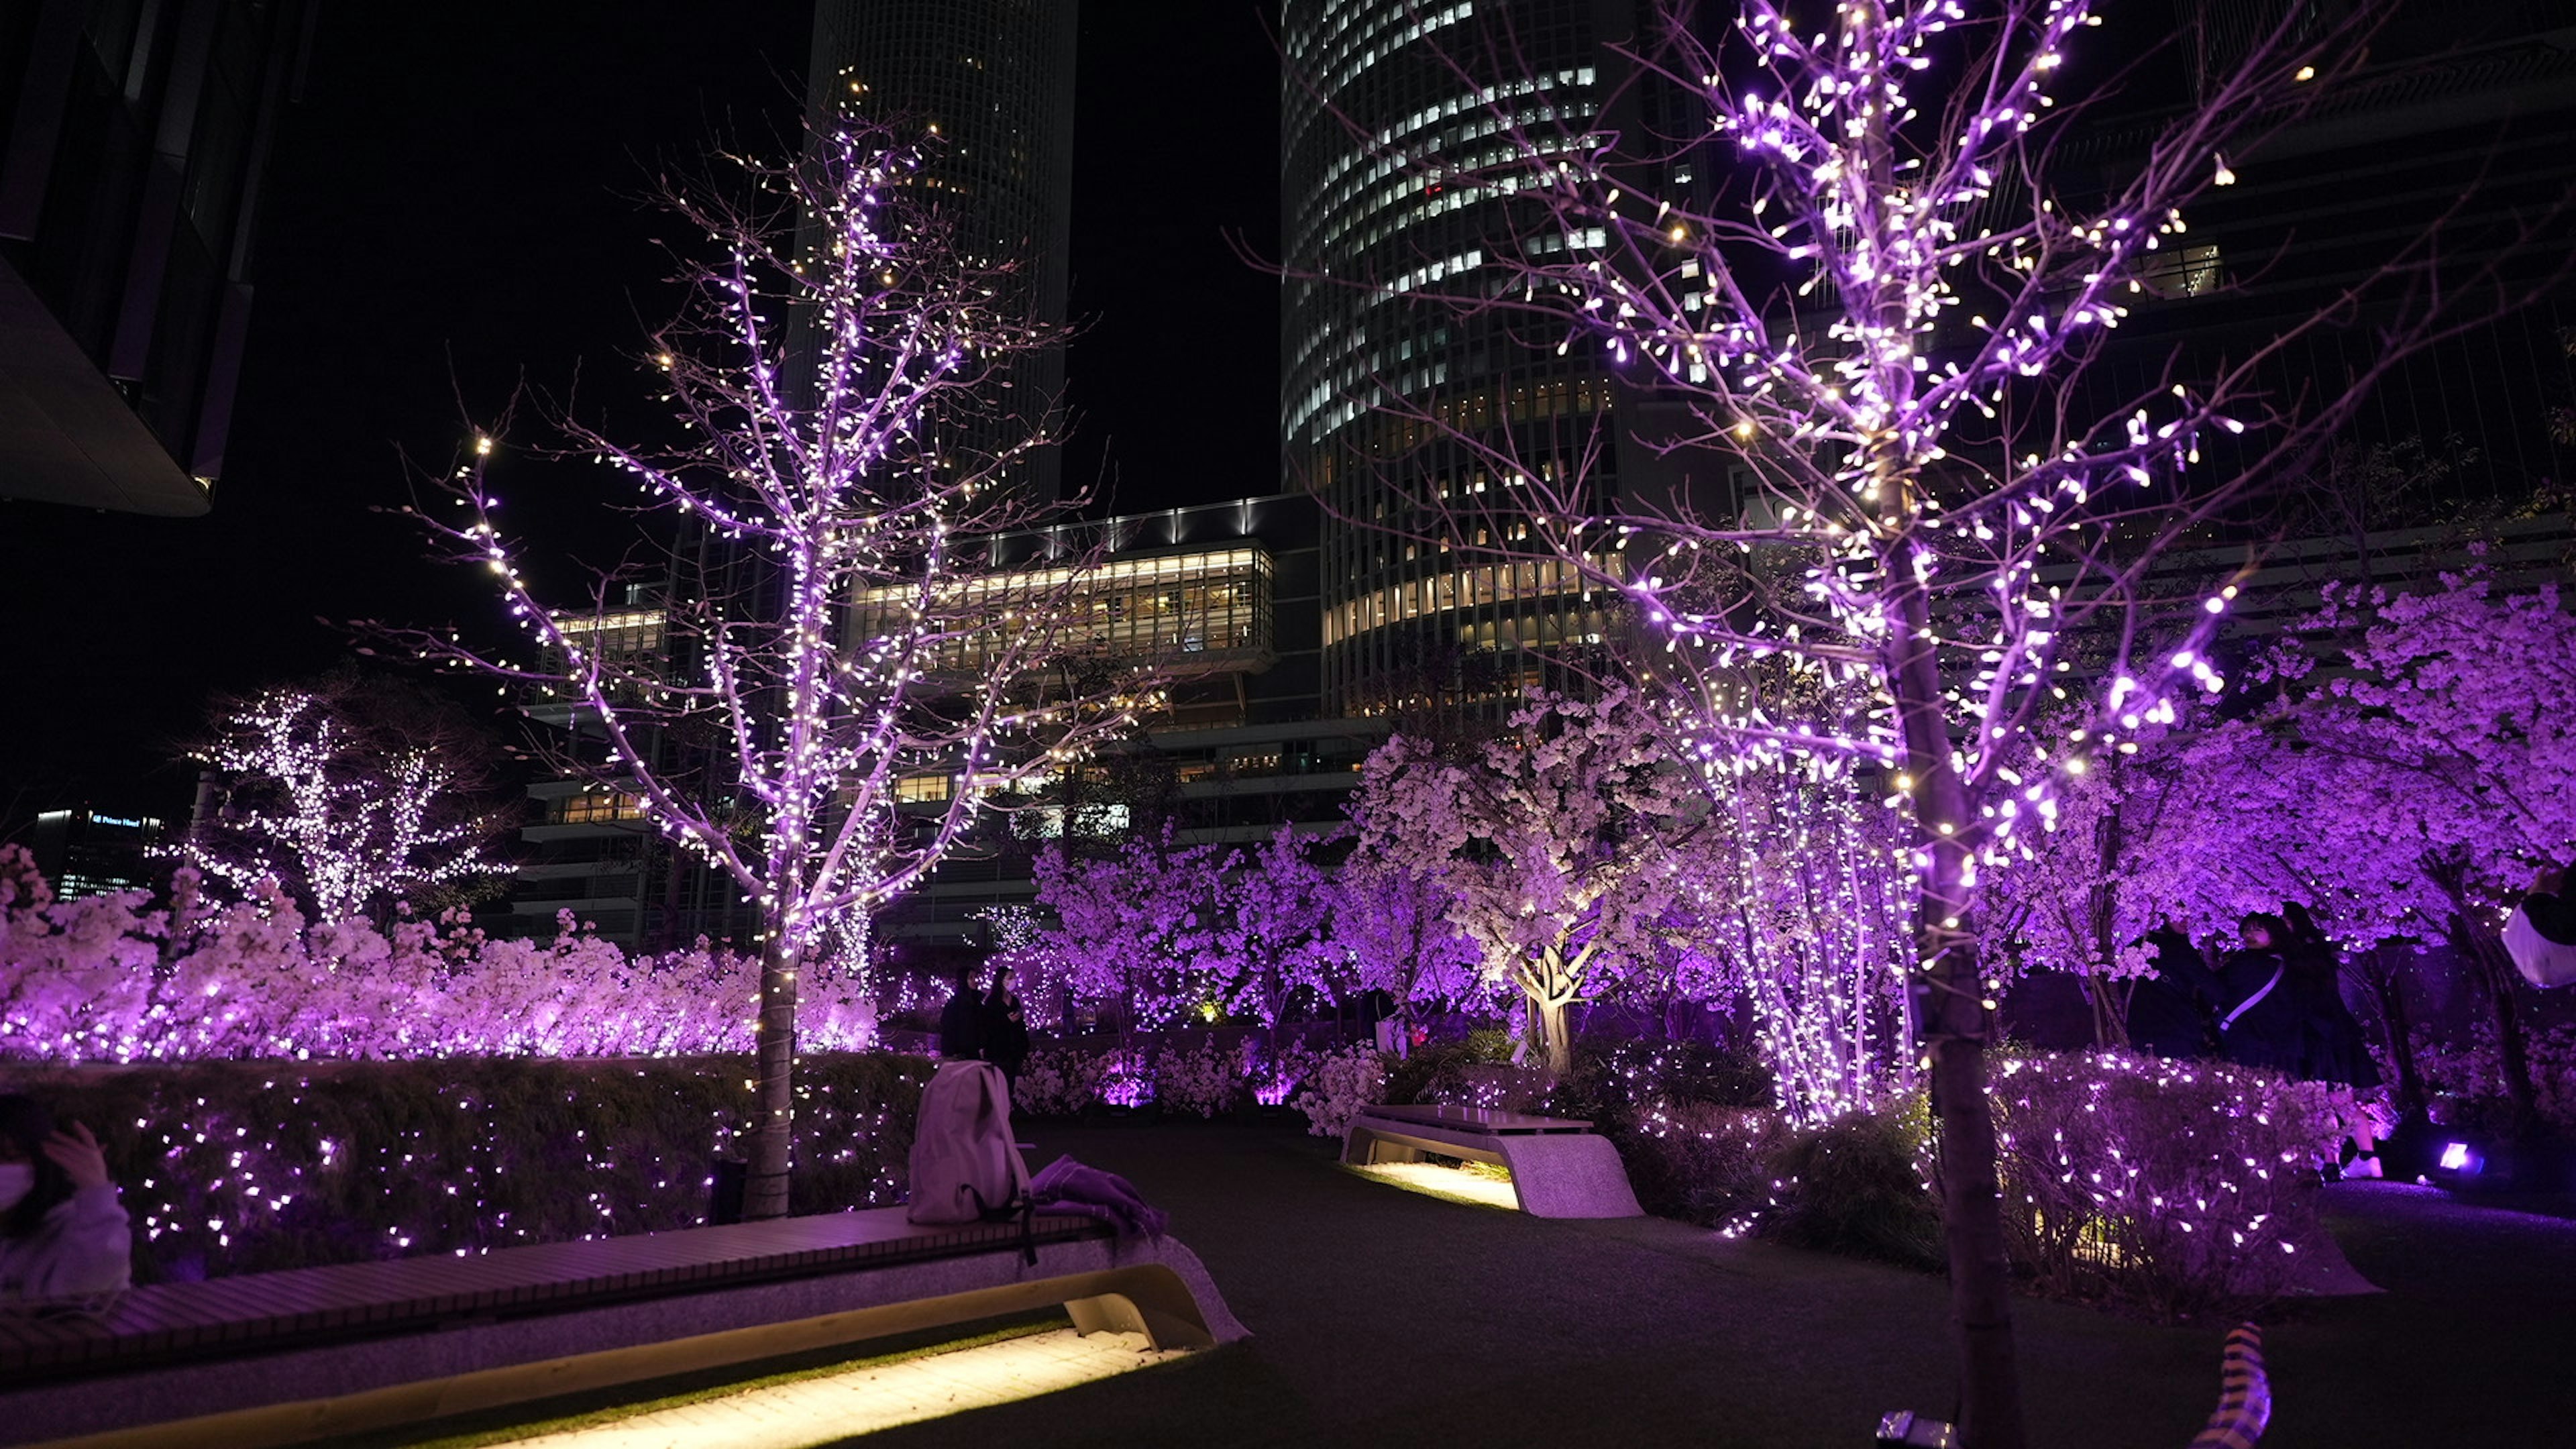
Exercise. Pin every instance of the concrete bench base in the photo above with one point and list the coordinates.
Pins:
(302, 1394)
(1555, 1174)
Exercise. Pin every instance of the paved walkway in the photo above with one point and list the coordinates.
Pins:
(1386, 1317)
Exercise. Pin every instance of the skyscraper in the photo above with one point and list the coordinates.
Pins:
(994, 80)
(1379, 97)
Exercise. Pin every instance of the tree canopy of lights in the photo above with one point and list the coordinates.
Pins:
(1561, 845)
(1836, 258)
(345, 812)
(838, 617)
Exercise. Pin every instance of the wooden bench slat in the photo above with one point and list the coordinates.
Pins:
(1478, 1119)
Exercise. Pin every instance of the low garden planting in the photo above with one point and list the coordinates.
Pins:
(241, 1167)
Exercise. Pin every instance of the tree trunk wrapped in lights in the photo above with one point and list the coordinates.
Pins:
(1812, 913)
(843, 625)
(1882, 307)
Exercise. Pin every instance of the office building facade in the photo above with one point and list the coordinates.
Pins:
(2446, 152)
(1223, 600)
(1389, 108)
(85, 852)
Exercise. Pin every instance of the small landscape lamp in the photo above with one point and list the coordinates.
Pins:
(1905, 1429)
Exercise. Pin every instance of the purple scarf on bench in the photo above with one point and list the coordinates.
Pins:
(1068, 1186)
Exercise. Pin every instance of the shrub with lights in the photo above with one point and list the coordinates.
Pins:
(2175, 1187)
(242, 1167)
(2166, 1189)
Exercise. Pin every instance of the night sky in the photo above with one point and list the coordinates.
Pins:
(459, 200)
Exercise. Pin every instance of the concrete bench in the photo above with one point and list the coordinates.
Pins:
(280, 1358)
(1560, 1168)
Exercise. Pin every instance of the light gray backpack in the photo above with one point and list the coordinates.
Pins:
(965, 1167)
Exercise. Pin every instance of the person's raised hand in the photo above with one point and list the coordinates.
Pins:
(77, 1153)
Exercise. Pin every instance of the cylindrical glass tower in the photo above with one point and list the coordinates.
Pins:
(1377, 93)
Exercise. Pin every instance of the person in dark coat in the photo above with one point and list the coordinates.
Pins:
(2332, 1048)
(2169, 1009)
(961, 1022)
(2260, 1023)
(1006, 1028)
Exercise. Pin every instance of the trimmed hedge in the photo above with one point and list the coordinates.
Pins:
(2174, 1188)
(241, 1167)
(1853, 1185)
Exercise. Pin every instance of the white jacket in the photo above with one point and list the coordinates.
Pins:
(84, 1245)
(2542, 961)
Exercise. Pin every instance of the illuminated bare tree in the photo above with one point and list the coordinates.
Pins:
(1881, 304)
(844, 626)
(345, 808)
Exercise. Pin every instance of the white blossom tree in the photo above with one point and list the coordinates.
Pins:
(838, 624)
(2414, 771)
(1133, 929)
(1561, 843)
(1391, 930)
(2417, 773)
(1270, 937)
(2122, 859)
